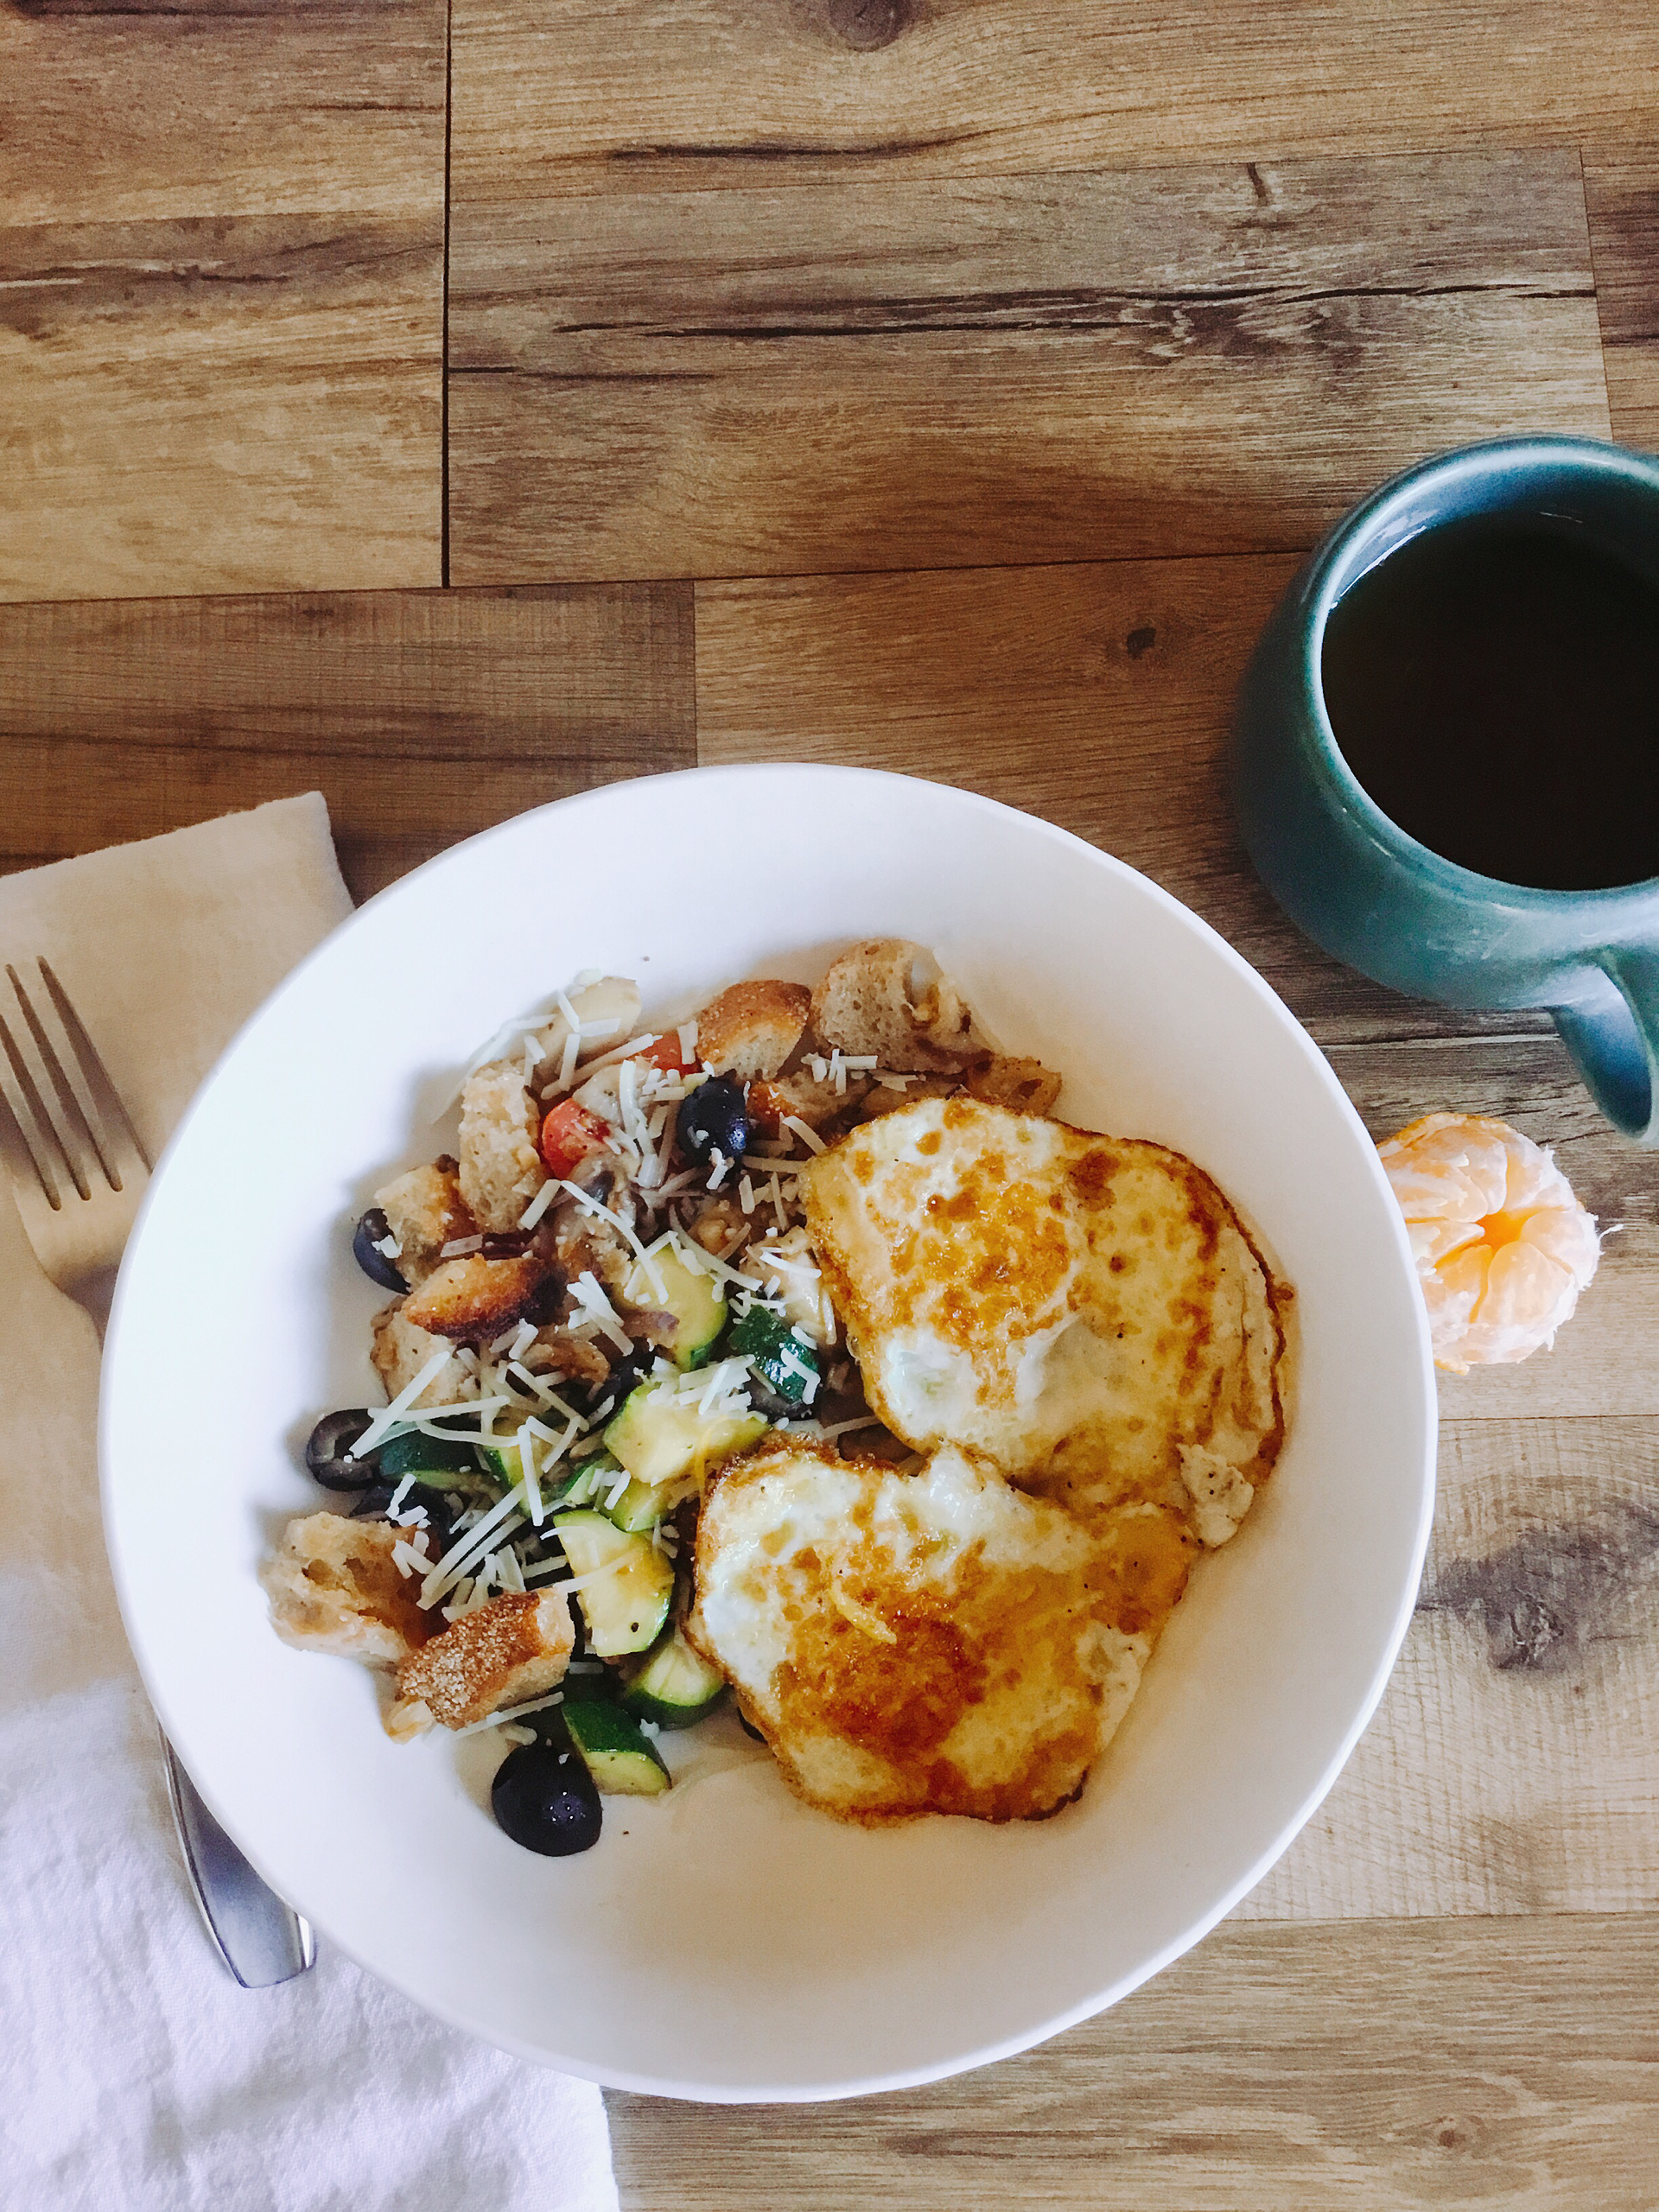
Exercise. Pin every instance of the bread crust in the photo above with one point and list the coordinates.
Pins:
(866, 1004)
(750, 1030)
(512, 1650)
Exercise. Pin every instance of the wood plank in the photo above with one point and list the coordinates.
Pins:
(221, 283)
(423, 716)
(154, 110)
(1378, 2066)
(1621, 187)
(1513, 1766)
(652, 94)
(219, 404)
(1053, 368)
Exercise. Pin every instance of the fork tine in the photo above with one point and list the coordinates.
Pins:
(48, 1152)
(124, 1158)
(71, 1123)
(28, 1167)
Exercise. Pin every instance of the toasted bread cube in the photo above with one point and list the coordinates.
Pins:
(506, 1653)
(402, 1350)
(750, 1030)
(501, 1168)
(870, 1001)
(425, 1210)
(1024, 1086)
(476, 1297)
(334, 1587)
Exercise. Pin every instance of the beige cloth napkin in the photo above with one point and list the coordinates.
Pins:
(133, 2072)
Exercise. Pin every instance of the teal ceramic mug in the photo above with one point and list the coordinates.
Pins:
(1367, 892)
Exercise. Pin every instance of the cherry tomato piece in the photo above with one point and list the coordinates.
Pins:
(569, 1134)
(666, 1054)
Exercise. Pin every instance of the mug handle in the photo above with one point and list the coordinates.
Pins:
(1614, 1044)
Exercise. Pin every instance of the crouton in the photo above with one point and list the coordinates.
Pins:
(802, 1096)
(334, 1587)
(512, 1650)
(425, 1210)
(501, 1169)
(1026, 1086)
(402, 1350)
(476, 1296)
(869, 1003)
(751, 1029)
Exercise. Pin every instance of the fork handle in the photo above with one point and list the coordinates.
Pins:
(261, 1940)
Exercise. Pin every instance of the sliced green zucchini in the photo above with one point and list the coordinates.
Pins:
(642, 1505)
(696, 1300)
(436, 1461)
(658, 1439)
(788, 1368)
(500, 1461)
(626, 1607)
(614, 1749)
(676, 1687)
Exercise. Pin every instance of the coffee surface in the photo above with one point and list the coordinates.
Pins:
(1494, 685)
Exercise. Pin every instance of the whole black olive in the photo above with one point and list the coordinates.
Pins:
(715, 1118)
(327, 1446)
(547, 1801)
(371, 1232)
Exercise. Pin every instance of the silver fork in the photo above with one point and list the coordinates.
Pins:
(78, 1172)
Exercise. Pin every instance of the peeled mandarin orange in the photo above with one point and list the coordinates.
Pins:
(1503, 1247)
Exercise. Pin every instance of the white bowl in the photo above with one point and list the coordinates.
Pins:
(724, 1942)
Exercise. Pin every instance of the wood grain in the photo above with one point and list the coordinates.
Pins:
(566, 97)
(221, 281)
(1513, 1766)
(1621, 187)
(1371, 2066)
(154, 110)
(421, 716)
(219, 404)
(1048, 368)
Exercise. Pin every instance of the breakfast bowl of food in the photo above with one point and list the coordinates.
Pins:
(768, 1434)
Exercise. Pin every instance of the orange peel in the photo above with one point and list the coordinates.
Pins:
(1503, 1247)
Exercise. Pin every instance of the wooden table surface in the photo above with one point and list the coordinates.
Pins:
(450, 409)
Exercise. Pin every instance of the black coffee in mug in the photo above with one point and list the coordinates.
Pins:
(1494, 686)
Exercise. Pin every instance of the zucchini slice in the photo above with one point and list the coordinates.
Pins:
(433, 1460)
(676, 1687)
(626, 1608)
(615, 1750)
(659, 1441)
(696, 1300)
(788, 1367)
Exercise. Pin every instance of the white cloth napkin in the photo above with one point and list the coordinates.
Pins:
(134, 2076)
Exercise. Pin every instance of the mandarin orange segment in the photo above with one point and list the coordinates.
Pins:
(1501, 1247)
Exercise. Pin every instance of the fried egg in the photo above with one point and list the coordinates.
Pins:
(931, 1641)
(1087, 1312)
